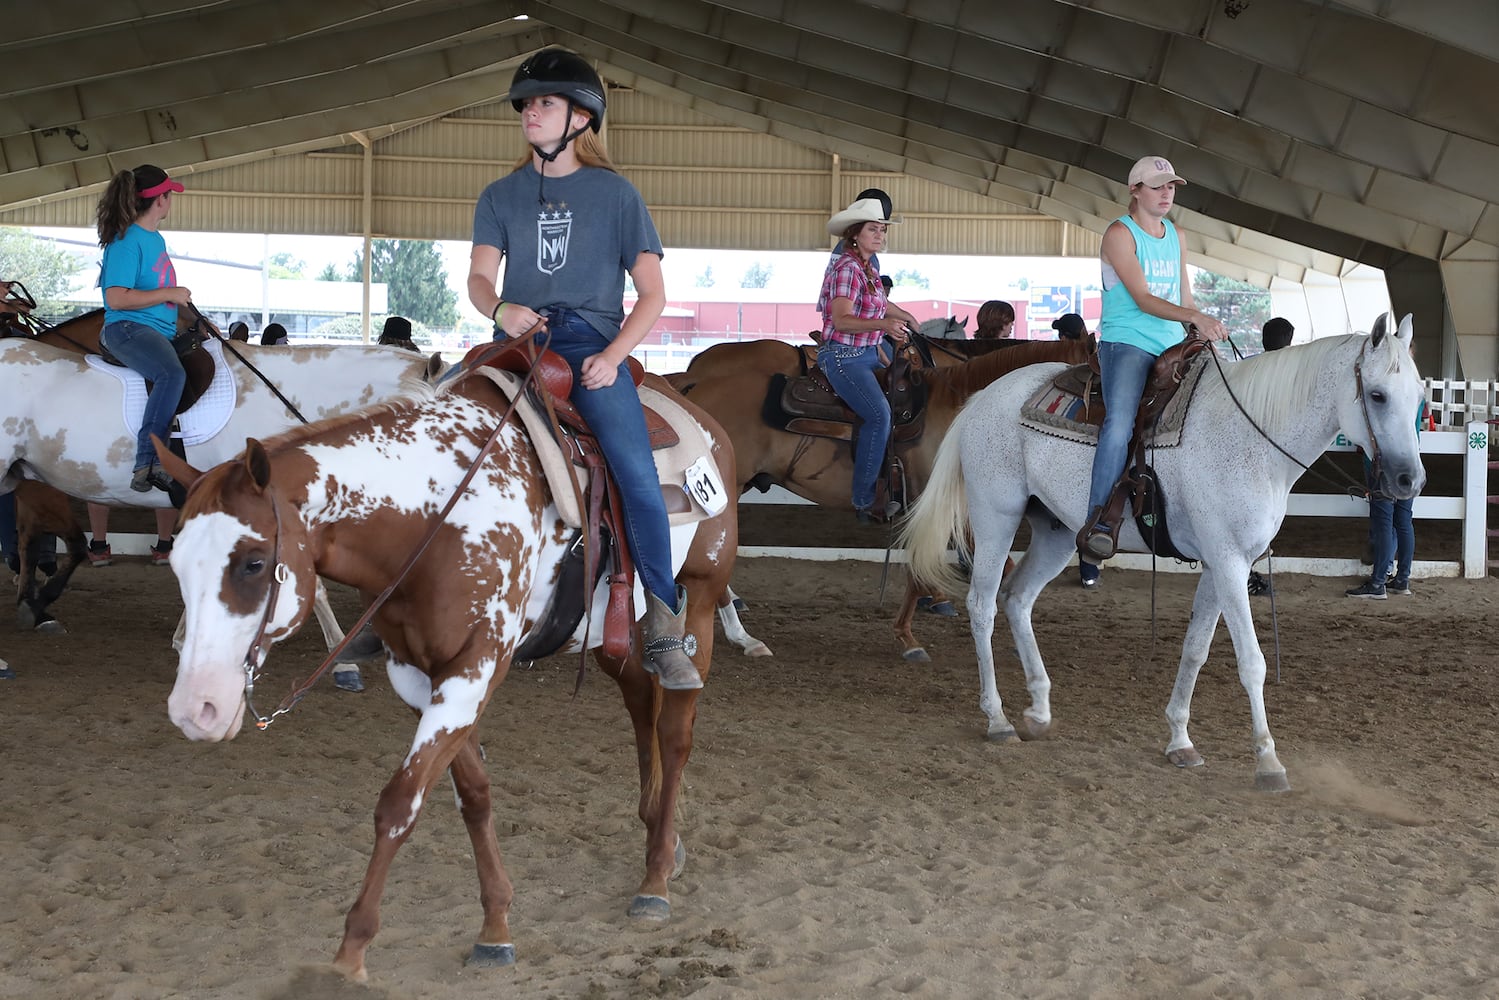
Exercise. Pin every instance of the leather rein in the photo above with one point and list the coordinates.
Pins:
(279, 573)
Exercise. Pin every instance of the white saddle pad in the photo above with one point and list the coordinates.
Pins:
(202, 421)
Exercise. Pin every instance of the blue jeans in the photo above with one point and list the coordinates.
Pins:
(615, 416)
(850, 371)
(146, 350)
(1124, 369)
(1392, 536)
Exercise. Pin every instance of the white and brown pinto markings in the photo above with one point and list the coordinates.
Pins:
(1253, 428)
(350, 498)
(822, 469)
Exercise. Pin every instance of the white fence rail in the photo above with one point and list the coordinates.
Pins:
(1471, 508)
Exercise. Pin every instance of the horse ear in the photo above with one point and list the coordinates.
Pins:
(257, 463)
(1381, 326)
(435, 365)
(1406, 331)
(175, 467)
(963, 322)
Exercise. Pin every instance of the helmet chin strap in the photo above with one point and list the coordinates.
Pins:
(546, 157)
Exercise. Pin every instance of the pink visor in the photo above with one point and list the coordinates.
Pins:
(162, 188)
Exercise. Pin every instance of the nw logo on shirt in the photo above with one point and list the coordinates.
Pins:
(554, 228)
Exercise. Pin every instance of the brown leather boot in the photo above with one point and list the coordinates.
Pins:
(667, 653)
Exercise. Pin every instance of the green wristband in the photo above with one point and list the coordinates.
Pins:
(498, 310)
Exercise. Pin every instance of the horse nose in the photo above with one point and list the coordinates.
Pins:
(198, 719)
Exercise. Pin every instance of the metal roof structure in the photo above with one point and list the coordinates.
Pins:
(1316, 134)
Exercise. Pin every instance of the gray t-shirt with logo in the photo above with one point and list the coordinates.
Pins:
(571, 250)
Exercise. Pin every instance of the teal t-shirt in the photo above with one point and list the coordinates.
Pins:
(1123, 321)
(139, 260)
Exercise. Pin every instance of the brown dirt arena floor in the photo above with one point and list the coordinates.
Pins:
(850, 832)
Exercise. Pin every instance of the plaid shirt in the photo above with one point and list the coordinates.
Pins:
(852, 279)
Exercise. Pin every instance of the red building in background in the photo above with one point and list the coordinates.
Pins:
(750, 316)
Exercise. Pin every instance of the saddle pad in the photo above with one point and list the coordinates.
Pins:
(201, 421)
(1054, 411)
(671, 463)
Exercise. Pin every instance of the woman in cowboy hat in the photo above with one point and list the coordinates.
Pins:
(856, 317)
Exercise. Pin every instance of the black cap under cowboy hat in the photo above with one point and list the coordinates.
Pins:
(884, 199)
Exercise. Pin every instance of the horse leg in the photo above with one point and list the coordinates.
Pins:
(493, 947)
(734, 599)
(663, 723)
(1195, 647)
(434, 749)
(733, 628)
(1269, 773)
(40, 512)
(990, 550)
(346, 676)
(1050, 548)
(905, 637)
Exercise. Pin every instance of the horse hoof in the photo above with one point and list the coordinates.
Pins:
(1032, 730)
(915, 655)
(1002, 736)
(1185, 757)
(678, 858)
(758, 649)
(943, 609)
(656, 908)
(348, 680)
(1273, 781)
(51, 626)
(492, 956)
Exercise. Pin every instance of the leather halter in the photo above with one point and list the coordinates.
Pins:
(279, 572)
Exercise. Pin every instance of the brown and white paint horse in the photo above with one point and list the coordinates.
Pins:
(350, 499)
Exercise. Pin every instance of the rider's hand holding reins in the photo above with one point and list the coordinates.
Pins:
(1207, 327)
(513, 319)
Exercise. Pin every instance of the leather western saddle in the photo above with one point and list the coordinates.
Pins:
(196, 362)
(807, 405)
(550, 386)
(1137, 484)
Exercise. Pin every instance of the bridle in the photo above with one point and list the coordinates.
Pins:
(255, 653)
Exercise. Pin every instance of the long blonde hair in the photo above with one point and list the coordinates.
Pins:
(588, 148)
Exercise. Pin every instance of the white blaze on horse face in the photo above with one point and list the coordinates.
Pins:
(207, 700)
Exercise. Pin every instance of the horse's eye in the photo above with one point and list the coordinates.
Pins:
(253, 567)
(1378, 396)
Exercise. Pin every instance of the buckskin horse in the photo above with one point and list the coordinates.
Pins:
(820, 469)
(1246, 436)
(352, 499)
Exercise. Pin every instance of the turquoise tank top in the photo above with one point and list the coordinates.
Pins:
(1123, 321)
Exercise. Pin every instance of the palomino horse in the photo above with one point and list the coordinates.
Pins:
(1250, 431)
(821, 469)
(62, 423)
(352, 499)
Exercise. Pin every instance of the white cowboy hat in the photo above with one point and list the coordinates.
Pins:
(863, 210)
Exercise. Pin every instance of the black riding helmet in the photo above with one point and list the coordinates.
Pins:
(558, 71)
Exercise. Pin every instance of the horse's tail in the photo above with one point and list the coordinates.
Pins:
(650, 788)
(940, 516)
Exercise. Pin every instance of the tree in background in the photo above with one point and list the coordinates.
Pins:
(1238, 305)
(911, 279)
(331, 273)
(705, 280)
(417, 281)
(45, 268)
(284, 265)
(758, 276)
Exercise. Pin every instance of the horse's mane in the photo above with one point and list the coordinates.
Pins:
(971, 376)
(1276, 386)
